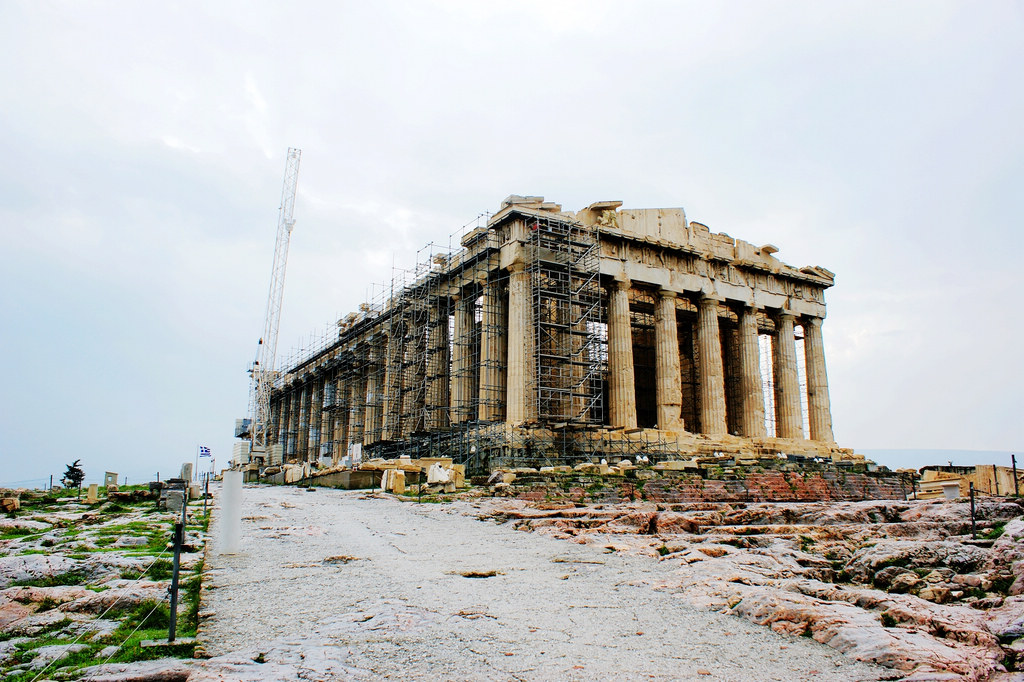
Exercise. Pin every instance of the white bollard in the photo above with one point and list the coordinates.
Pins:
(231, 512)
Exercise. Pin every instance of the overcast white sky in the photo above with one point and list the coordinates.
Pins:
(143, 147)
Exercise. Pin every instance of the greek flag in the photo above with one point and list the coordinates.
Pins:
(204, 451)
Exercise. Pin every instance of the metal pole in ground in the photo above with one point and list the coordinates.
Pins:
(206, 494)
(995, 478)
(1013, 459)
(179, 530)
(974, 532)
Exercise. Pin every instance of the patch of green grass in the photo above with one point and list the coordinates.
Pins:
(12, 533)
(901, 562)
(806, 542)
(191, 598)
(47, 604)
(663, 550)
(131, 649)
(160, 570)
(148, 614)
(887, 620)
(994, 532)
(59, 579)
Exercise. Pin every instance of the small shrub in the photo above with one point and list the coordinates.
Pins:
(993, 532)
(1002, 584)
(663, 550)
(46, 604)
(887, 620)
(147, 615)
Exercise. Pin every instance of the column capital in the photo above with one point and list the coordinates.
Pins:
(811, 320)
(783, 314)
(620, 282)
(667, 293)
(516, 266)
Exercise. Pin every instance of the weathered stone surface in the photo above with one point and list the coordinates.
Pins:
(45, 655)
(56, 595)
(866, 562)
(33, 566)
(126, 593)
(160, 670)
(1008, 554)
(774, 563)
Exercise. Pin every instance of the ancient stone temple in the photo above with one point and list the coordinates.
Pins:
(549, 337)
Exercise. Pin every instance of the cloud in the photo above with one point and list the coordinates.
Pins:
(144, 146)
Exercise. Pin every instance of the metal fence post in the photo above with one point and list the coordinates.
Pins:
(974, 532)
(179, 531)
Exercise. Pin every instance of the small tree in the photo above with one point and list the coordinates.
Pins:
(74, 476)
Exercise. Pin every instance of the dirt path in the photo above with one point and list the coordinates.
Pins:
(341, 587)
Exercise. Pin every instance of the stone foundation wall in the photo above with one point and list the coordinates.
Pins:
(769, 486)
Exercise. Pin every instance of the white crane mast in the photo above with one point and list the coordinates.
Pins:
(263, 373)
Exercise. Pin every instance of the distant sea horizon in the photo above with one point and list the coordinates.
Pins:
(916, 458)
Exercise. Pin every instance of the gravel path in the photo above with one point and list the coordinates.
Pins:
(354, 588)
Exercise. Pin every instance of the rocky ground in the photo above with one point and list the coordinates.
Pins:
(85, 583)
(335, 585)
(900, 584)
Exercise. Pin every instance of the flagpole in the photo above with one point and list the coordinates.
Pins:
(197, 464)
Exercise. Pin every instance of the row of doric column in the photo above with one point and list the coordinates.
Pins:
(711, 371)
(417, 378)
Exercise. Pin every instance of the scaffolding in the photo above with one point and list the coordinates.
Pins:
(570, 340)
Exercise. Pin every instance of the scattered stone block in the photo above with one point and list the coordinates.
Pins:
(93, 496)
(398, 486)
(174, 500)
(10, 504)
(459, 478)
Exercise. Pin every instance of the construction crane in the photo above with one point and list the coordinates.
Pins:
(262, 373)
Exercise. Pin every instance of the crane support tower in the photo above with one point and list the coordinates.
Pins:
(263, 374)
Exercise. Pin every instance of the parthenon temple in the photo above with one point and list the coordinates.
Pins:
(552, 337)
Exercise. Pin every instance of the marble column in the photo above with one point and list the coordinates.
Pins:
(328, 413)
(711, 374)
(335, 409)
(667, 373)
(519, 406)
(374, 404)
(751, 388)
(356, 389)
(462, 359)
(316, 403)
(302, 443)
(413, 377)
(621, 384)
(292, 445)
(272, 429)
(392, 390)
(819, 411)
(492, 353)
(437, 369)
(788, 420)
(282, 425)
